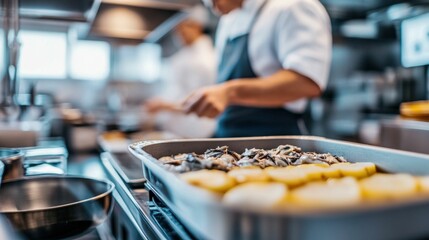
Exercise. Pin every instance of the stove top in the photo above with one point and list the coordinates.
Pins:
(153, 218)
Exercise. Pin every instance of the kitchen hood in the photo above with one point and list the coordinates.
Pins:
(135, 21)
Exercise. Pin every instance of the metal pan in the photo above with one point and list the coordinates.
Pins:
(55, 207)
(206, 218)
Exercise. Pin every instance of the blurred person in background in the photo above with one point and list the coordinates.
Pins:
(192, 67)
(274, 55)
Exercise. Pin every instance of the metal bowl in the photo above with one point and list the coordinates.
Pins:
(13, 162)
(55, 207)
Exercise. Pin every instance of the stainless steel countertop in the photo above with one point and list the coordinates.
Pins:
(408, 135)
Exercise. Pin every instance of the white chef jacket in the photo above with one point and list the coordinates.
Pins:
(289, 34)
(190, 69)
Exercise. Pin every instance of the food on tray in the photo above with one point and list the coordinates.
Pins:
(114, 135)
(261, 178)
(313, 172)
(290, 176)
(222, 158)
(330, 172)
(249, 174)
(312, 185)
(389, 186)
(332, 193)
(257, 194)
(183, 162)
(423, 184)
(213, 180)
(358, 170)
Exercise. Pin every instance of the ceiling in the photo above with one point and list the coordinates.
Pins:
(133, 21)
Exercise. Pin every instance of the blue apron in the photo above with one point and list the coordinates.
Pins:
(239, 121)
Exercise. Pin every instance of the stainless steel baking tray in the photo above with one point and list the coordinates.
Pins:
(207, 218)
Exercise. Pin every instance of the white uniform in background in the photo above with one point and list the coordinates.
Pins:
(288, 43)
(191, 68)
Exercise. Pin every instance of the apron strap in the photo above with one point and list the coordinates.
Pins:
(230, 58)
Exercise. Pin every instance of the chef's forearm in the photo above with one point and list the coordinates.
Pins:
(273, 91)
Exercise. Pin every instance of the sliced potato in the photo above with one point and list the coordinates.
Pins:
(389, 186)
(423, 184)
(257, 194)
(331, 172)
(371, 168)
(332, 193)
(357, 170)
(213, 180)
(251, 174)
(290, 176)
(324, 165)
(322, 170)
(313, 171)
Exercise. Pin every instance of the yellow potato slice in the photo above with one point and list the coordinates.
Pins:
(357, 170)
(290, 176)
(313, 171)
(332, 193)
(324, 165)
(257, 195)
(331, 173)
(371, 168)
(213, 180)
(423, 184)
(389, 186)
(242, 175)
(322, 170)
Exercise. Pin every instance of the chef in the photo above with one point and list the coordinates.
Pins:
(275, 54)
(192, 67)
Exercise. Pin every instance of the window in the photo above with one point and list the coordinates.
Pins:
(42, 55)
(142, 63)
(89, 60)
(49, 55)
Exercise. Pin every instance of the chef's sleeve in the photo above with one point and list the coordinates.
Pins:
(303, 43)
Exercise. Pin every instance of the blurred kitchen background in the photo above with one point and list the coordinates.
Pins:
(79, 68)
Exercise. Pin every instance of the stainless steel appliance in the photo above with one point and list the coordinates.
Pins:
(405, 135)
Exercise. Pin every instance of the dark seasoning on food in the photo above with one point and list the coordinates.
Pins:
(222, 158)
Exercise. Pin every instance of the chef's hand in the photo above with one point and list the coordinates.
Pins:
(207, 102)
(156, 105)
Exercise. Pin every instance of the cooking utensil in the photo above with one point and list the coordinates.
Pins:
(55, 207)
(13, 163)
(203, 214)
